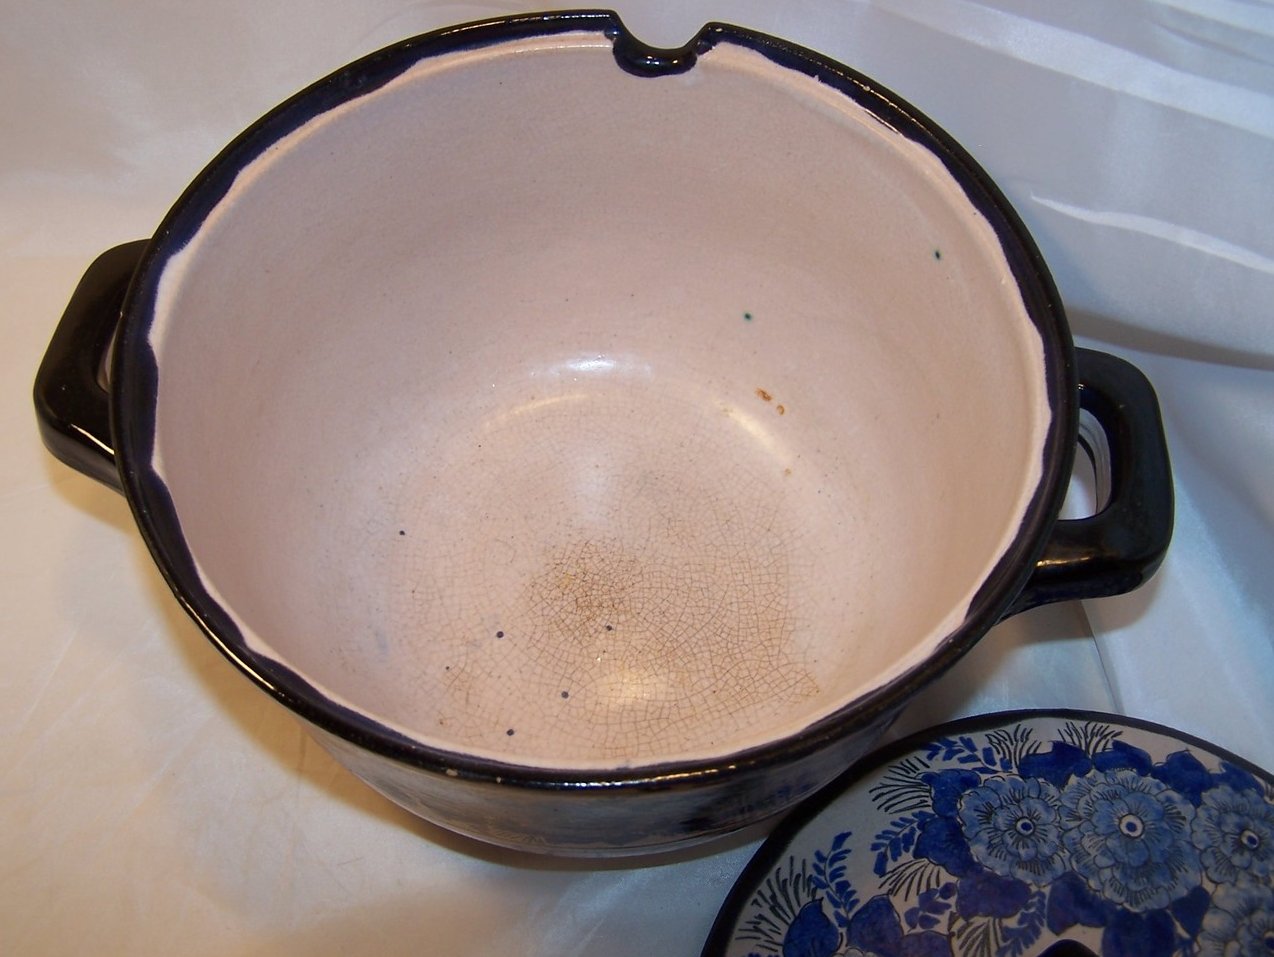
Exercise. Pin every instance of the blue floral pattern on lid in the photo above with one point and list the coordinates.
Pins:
(1000, 836)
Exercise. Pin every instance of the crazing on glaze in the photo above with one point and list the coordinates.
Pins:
(488, 390)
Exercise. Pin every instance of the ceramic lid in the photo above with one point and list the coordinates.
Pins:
(1012, 834)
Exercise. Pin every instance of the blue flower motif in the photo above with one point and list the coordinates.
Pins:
(811, 934)
(1240, 922)
(1234, 832)
(1014, 828)
(875, 930)
(1129, 838)
(985, 846)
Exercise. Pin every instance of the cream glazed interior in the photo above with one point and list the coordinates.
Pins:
(579, 419)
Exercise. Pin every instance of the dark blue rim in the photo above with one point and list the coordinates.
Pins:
(135, 376)
(771, 853)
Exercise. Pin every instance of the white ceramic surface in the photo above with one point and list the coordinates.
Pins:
(550, 413)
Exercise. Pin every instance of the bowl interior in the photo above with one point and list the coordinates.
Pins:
(579, 419)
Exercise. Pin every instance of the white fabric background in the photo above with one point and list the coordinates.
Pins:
(152, 802)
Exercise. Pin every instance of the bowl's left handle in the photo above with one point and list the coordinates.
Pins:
(72, 404)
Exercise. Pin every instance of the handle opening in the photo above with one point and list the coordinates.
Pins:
(1121, 545)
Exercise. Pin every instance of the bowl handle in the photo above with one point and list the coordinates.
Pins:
(1121, 546)
(72, 405)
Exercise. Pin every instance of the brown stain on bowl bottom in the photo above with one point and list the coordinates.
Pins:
(766, 396)
(661, 643)
(617, 592)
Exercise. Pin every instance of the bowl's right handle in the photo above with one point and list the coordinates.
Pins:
(1120, 547)
(72, 404)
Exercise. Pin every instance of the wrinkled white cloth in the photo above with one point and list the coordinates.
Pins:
(152, 802)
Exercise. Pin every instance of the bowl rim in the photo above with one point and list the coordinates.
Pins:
(134, 379)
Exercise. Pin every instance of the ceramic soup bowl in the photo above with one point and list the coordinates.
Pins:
(596, 445)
